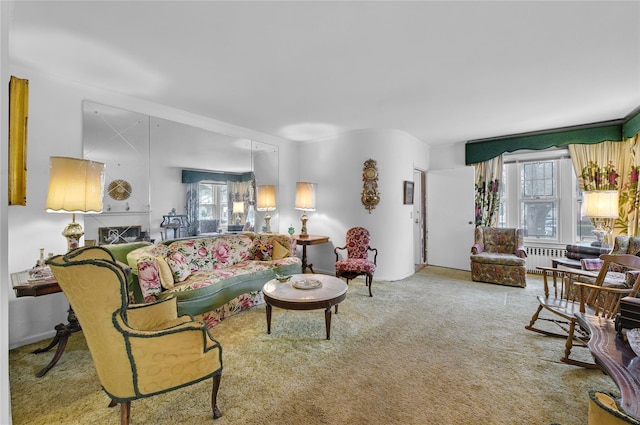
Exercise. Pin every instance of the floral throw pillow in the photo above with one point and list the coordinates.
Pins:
(262, 251)
(179, 266)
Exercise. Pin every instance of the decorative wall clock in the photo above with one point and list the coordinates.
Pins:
(370, 195)
(119, 190)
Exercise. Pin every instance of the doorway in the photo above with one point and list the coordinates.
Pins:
(419, 219)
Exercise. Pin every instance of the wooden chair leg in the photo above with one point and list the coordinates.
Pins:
(567, 350)
(369, 282)
(125, 413)
(214, 396)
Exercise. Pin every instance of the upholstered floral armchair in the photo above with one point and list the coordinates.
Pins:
(357, 262)
(498, 256)
(138, 350)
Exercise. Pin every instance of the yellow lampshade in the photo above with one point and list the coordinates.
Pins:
(266, 200)
(238, 207)
(75, 185)
(600, 204)
(305, 196)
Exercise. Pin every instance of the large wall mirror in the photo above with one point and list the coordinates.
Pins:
(167, 180)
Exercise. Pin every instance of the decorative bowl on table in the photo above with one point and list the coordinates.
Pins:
(633, 337)
(282, 277)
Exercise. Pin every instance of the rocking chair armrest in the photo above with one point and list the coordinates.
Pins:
(599, 289)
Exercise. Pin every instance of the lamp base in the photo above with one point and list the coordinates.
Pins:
(303, 229)
(73, 232)
(600, 233)
(267, 223)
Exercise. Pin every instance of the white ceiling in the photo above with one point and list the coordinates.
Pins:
(441, 71)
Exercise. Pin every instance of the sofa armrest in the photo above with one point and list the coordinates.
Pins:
(476, 248)
(521, 252)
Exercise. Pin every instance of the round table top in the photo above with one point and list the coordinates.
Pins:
(330, 288)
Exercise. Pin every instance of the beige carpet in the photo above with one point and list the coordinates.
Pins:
(434, 348)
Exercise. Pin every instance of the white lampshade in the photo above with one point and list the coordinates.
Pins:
(305, 196)
(600, 204)
(266, 199)
(75, 185)
(238, 207)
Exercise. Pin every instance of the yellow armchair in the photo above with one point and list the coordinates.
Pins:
(138, 350)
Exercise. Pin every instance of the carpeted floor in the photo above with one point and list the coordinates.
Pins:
(434, 348)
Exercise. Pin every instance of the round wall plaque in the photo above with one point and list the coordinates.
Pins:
(119, 190)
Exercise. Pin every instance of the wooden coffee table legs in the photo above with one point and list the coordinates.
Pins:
(327, 319)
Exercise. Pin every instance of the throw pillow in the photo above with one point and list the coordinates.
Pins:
(179, 266)
(262, 251)
(279, 251)
(166, 275)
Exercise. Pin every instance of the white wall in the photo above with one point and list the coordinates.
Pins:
(336, 164)
(5, 399)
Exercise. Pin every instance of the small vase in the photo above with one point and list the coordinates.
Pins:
(291, 230)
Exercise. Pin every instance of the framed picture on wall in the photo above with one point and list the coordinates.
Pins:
(408, 192)
(118, 234)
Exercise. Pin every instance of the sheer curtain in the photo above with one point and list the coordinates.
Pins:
(488, 187)
(611, 166)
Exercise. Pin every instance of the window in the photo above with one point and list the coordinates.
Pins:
(539, 199)
(212, 202)
(541, 196)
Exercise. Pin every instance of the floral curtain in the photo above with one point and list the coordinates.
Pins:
(611, 166)
(192, 207)
(488, 187)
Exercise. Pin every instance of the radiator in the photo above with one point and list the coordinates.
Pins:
(542, 257)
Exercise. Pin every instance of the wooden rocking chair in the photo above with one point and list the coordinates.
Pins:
(595, 293)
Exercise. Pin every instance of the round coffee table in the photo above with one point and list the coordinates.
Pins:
(321, 291)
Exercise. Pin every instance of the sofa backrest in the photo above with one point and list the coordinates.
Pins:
(214, 252)
(624, 244)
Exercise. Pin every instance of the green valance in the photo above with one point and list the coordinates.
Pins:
(193, 176)
(631, 125)
(607, 131)
(483, 150)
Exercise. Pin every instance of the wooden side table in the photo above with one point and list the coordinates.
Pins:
(309, 240)
(23, 287)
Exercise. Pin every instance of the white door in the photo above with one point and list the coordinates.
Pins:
(418, 218)
(450, 217)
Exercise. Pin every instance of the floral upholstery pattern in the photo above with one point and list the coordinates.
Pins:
(205, 269)
(498, 256)
(357, 262)
(618, 276)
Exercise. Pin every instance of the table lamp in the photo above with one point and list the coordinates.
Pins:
(238, 209)
(305, 201)
(266, 201)
(600, 205)
(75, 186)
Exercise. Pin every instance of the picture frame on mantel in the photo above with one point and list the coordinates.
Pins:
(408, 192)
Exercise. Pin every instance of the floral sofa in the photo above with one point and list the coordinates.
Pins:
(216, 276)
(498, 256)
